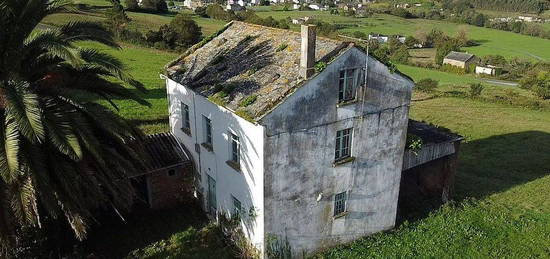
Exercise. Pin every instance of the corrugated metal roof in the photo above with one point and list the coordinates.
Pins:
(162, 150)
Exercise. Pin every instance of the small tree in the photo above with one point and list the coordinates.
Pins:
(401, 55)
(539, 83)
(187, 29)
(201, 11)
(427, 85)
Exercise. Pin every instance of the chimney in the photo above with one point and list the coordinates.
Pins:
(307, 58)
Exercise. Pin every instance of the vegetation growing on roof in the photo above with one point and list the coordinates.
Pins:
(248, 100)
(320, 66)
(281, 47)
(414, 143)
(245, 115)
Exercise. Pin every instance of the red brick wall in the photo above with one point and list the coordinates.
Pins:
(166, 190)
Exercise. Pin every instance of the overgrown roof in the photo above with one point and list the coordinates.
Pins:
(248, 68)
(430, 133)
(459, 56)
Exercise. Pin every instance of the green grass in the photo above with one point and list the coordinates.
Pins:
(492, 41)
(504, 164)
(145, 64)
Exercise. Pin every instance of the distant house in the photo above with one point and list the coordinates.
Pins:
(169, 168)
(488, 70)
(193, 4)
(385, 38)
(315, 6)
(300, 20)
(460, 59)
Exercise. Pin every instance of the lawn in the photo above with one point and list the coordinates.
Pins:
(491, 41)
(504, 165)
(145, 64)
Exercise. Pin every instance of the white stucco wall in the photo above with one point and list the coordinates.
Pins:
(246, 185)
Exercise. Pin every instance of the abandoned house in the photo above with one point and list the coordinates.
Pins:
(168, 167)
(460, 59)
(303, 137)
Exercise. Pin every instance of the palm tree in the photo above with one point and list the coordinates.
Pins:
(61, 153)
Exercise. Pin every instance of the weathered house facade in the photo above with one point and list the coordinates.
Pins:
(302, 136)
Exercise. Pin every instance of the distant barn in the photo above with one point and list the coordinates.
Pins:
(460, 59)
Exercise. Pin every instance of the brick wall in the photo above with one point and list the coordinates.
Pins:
(168, 189)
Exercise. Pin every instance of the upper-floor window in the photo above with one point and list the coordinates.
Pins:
(347, 84)
(207, 130)
(185, 124)
(343, 144)
(235, 147)
(340, 203)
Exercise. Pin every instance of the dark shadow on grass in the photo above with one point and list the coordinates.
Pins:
(115, 239)
(488, 166)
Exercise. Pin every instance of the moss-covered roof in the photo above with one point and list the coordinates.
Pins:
(248, 68)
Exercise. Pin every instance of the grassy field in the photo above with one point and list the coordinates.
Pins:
(145, 64)
(491, 41)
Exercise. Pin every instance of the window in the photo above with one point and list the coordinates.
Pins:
(185, 124)
(236, 206)
(340, 203)
(347, 85)
(235, 146)
(343, 144)
(207, 130)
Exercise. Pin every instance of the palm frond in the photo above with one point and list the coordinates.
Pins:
(87, 31)
(23, 107)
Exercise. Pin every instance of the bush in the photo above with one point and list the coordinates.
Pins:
(401, 55)
(158, 6)
(539, 83)
(201, 11)
(359, 35)
(476, 89)
(131, 5)
(427, 85)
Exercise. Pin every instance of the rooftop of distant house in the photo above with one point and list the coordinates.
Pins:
(459, 56)
(248, 68)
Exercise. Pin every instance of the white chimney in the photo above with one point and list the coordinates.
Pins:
(307, 58)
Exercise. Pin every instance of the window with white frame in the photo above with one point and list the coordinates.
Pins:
(207, 130)
(343, 144)
(235, 148)
(348, 84)
(186, 123)
(340, 203)
(236, 206)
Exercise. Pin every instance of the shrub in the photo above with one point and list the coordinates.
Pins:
(359, 35)
(476, 89)
(400, 55)
(539, 83)
(201, 11)
(131, 4)
(427, 85)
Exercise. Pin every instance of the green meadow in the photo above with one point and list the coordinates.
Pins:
(491, 41)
